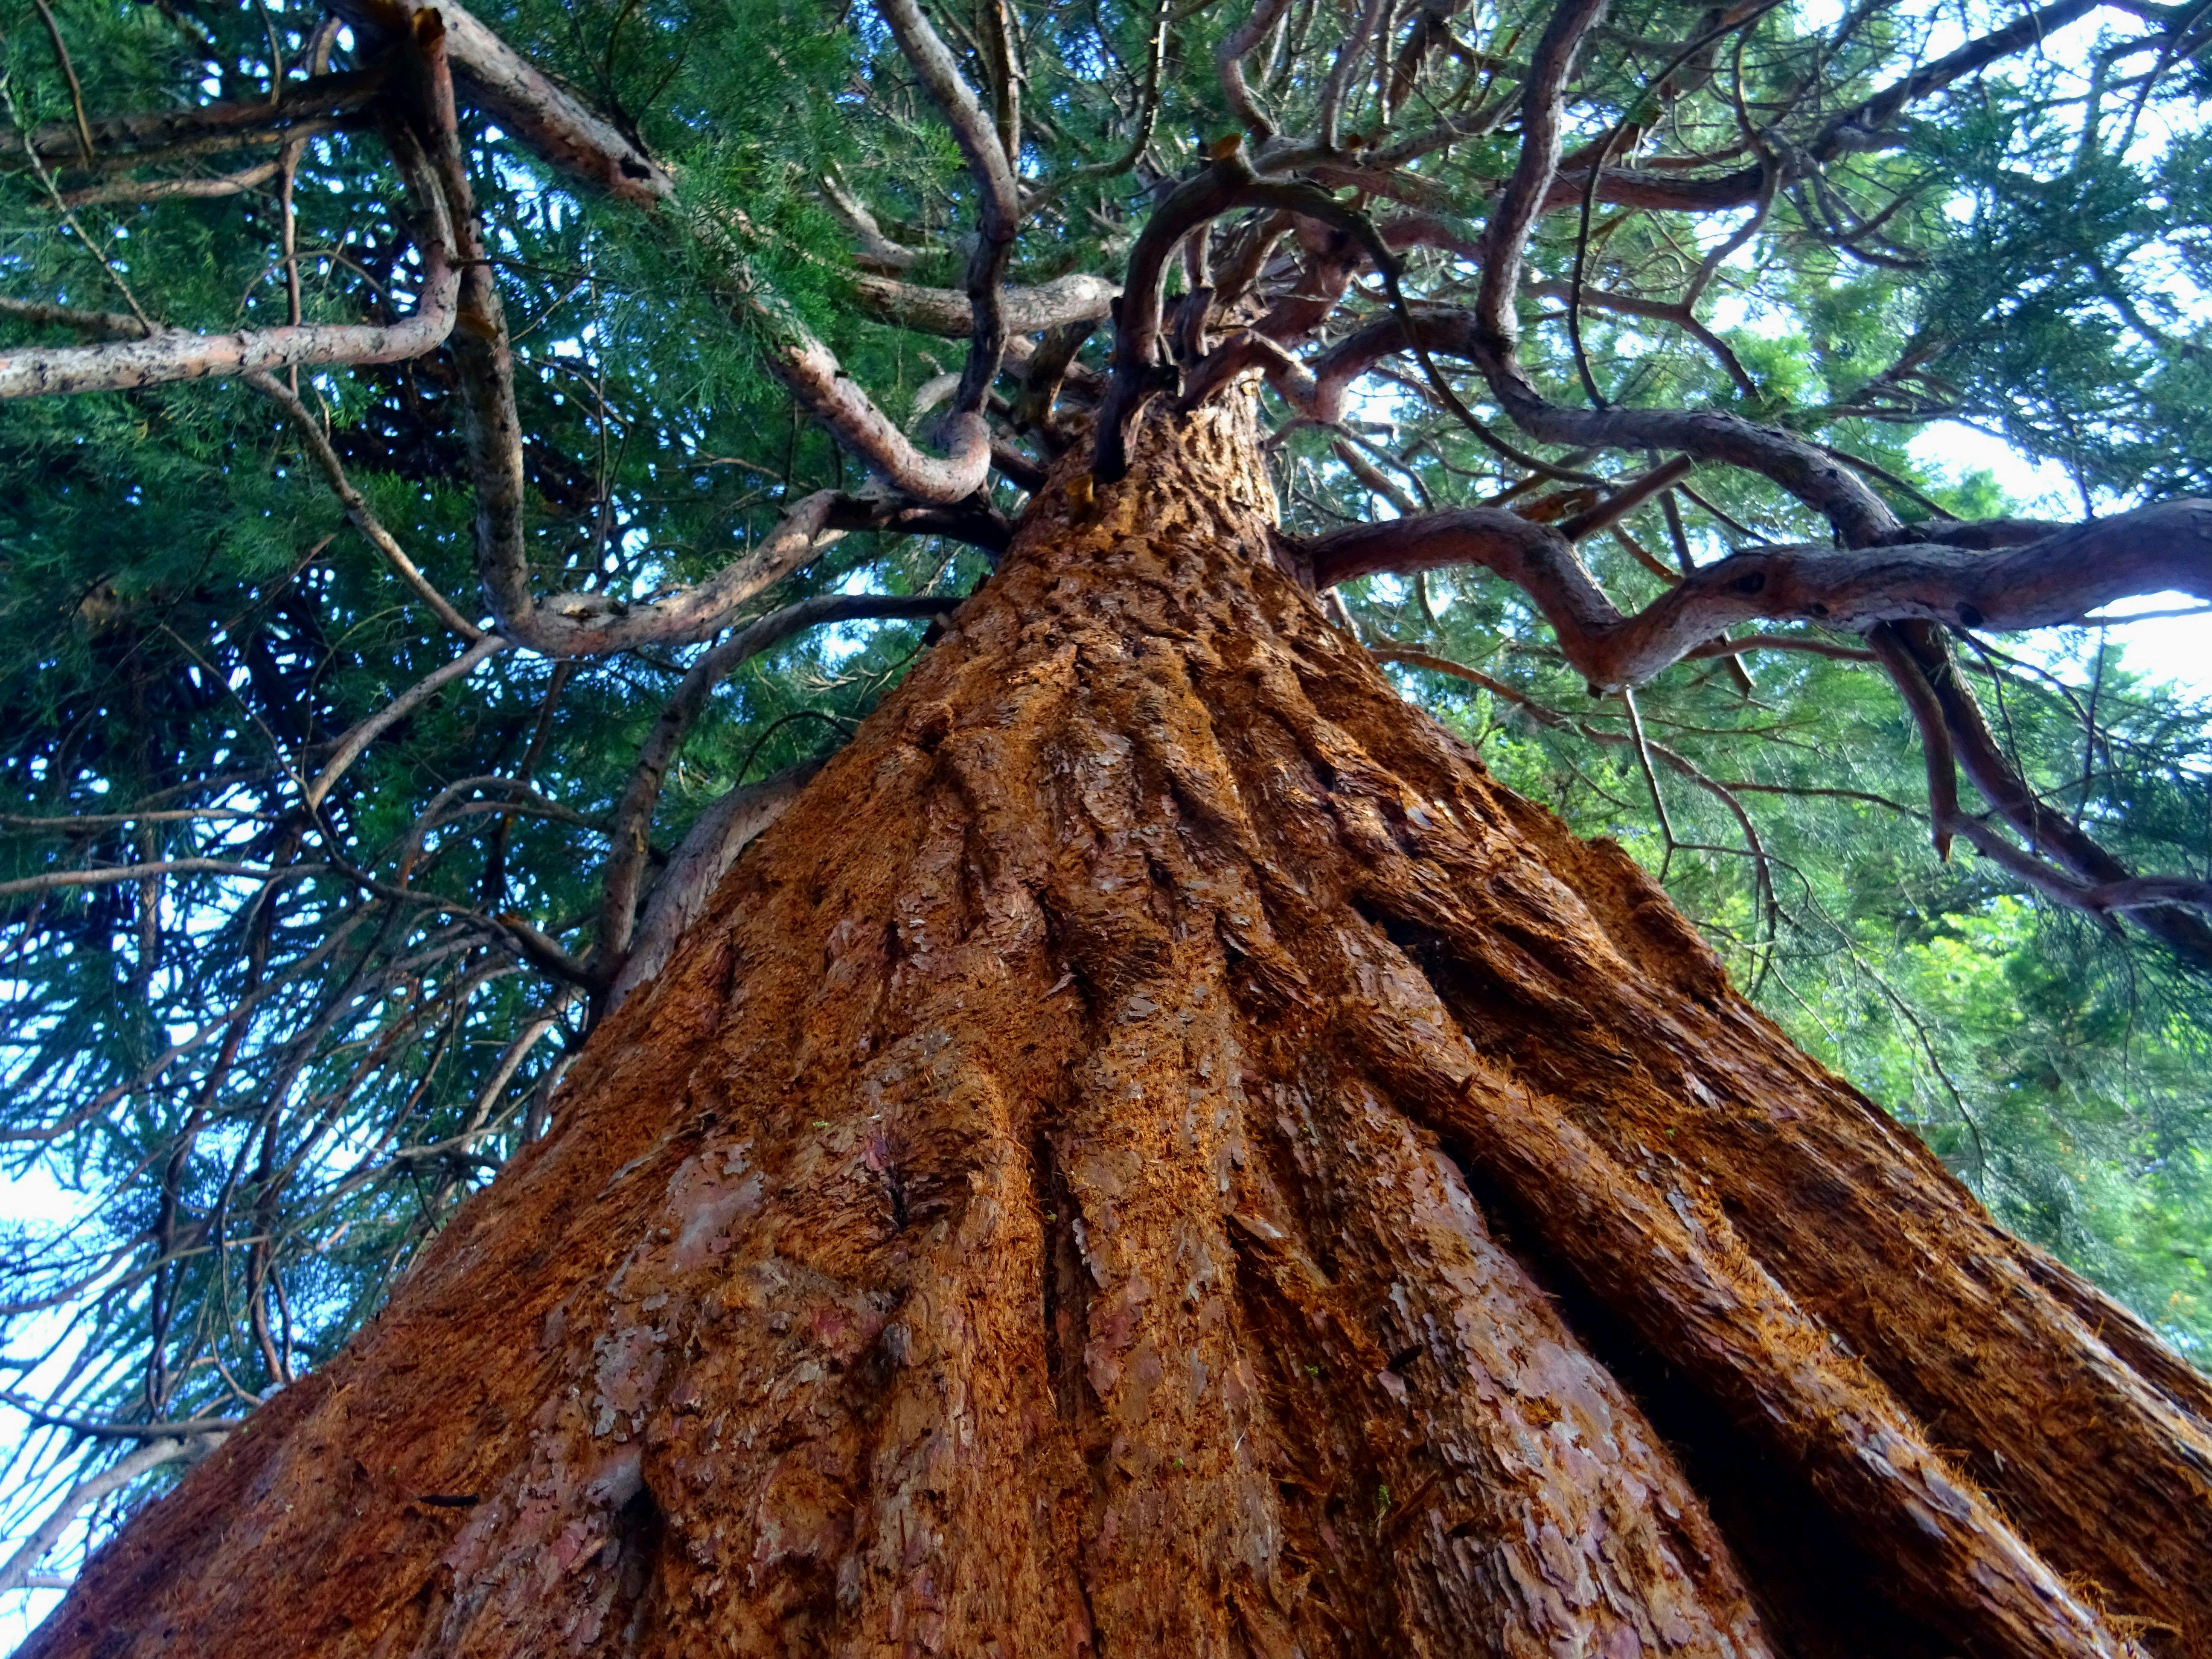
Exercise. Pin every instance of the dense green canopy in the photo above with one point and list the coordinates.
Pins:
(276, 1001)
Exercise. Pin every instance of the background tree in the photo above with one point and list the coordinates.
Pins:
(609, 402)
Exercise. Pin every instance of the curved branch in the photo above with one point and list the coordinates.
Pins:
(1348, 53)
(2083, 867)
(1148, 115)
(581, 624)
(1913, 684)
(2048, 583)
(545, 117)
(170, 190)
(997, 196)
(697, 866)
(875, 248)
(1855, 129)
(1543, 131)
(1136, 380)
(165, 355)
(1230, 183)
(173, 354)
(812, 375)
(1228, 62)
(567, 133)
(1804, 470)
(1859, 127)
(1247, 350)
(577, 624)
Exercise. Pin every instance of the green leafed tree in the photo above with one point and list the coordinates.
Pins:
(1005, 829)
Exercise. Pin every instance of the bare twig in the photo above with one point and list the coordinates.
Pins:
(356, 742)
(319, 450)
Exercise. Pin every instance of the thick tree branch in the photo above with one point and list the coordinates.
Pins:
(1522, 200)
(1226, 184)
(170, 354)
(2047, 583)
(1137, 376)
(2072, 868)
(1349, 52)
(1229, 62)
(1073, 298)
(811, 375)
(171, 190)
(696, 868)
(544, 116)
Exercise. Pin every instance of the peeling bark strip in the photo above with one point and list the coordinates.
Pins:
(1154, 1153)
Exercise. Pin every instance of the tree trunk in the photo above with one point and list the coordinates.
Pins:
(1156, 1153)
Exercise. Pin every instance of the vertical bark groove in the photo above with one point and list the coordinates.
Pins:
(1154, 1153)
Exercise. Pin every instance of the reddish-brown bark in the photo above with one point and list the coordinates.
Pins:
(1154, 1153)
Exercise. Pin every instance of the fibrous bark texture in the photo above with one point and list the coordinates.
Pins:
(1154, 1153)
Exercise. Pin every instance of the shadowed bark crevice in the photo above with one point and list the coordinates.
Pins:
(1820, 1594)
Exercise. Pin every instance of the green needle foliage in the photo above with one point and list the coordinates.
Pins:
(257, 1076)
